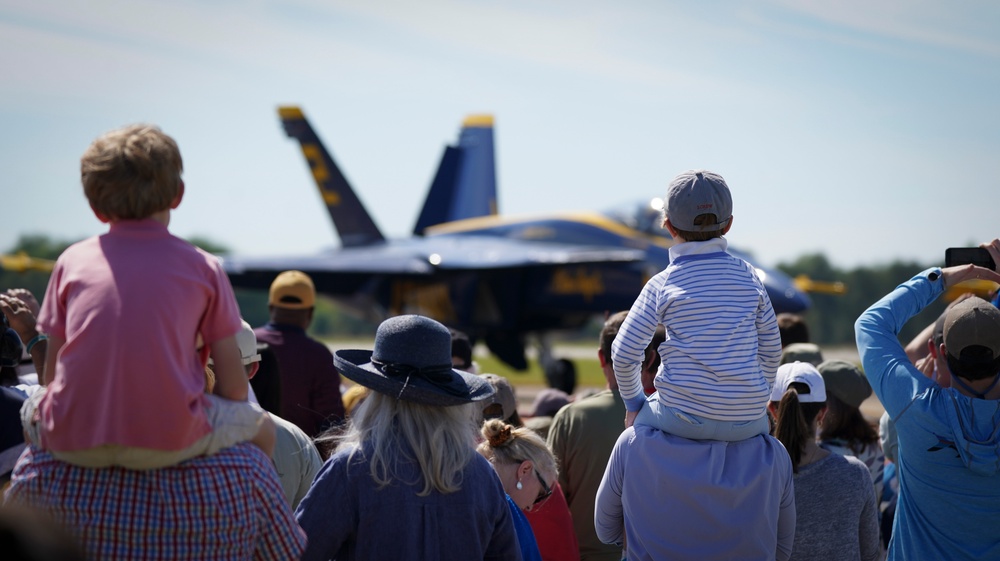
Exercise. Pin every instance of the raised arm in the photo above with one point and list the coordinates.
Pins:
(21, 318)
(230, 377)
(629, 349)
(768, 339)
(893, 378)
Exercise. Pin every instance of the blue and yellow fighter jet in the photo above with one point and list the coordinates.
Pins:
(499, 279)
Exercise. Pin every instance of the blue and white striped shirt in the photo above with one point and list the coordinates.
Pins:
(722, 347)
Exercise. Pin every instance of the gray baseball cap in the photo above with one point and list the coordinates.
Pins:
(696, 192)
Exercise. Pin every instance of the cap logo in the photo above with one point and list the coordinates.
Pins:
(694, 193)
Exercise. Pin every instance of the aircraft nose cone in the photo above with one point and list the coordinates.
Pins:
(785, 296)
(790, 300)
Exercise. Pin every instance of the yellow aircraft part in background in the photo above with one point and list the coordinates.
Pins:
(981, 288)
(806, 284)
(21, 262)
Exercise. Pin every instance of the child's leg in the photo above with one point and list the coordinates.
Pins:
(232, 422)
(694, 427)
(130, 457)
(30, 419)
(238, 421)
(107, 455)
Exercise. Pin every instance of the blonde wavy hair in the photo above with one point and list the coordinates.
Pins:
(131, 173)
(507, 445)
(439, 439)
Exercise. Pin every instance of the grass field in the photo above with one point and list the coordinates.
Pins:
(588, 372)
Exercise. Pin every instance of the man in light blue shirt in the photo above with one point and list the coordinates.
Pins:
(668, 497)
(949, 442)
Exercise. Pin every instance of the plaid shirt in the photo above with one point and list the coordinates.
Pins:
(228, 506)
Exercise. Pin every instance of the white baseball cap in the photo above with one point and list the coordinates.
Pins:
(804, 373)
(246, 340)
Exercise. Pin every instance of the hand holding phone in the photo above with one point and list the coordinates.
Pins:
(964, 255)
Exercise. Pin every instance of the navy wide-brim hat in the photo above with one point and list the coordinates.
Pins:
(412, 361)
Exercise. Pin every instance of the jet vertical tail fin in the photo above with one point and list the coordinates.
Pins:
(353, 223)
(465, 184)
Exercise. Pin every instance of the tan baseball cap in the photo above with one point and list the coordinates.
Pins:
(972, 321)
(504, 395)
(293, 290)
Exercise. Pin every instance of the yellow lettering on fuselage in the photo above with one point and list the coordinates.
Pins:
(579, 281)
(420, 297)
(320, 173)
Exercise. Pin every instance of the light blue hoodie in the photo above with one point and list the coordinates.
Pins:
(949, 443)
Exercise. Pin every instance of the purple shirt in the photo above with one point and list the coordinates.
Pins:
(310, 384)
(226, 507)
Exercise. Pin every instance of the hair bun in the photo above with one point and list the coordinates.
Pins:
(500, 437)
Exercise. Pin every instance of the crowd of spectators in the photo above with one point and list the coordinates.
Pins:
(142, 418)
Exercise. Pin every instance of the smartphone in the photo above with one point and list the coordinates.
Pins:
(962, 255)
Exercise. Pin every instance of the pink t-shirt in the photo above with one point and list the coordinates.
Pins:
(129, 305)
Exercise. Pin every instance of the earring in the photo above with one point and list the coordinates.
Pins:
(519, 486)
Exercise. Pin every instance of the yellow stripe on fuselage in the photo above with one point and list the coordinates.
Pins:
(592, 218)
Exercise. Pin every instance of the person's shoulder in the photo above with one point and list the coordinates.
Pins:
(845, 473)
(768, 448)
(309, 346)
(319, 345)
(841, 463)
(82, 248)
(852, 463)
(661, 277)
(195, 253)
(284, 424)
(289, 431)
(189, 255)
(351, 455)
(85, 243)
(747, 272)
(481, 474)
(600, 401)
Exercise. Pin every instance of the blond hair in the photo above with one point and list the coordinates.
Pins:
(507, 445)
(131, 173)
(389, 430)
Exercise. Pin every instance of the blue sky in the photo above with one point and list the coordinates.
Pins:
(868, 130)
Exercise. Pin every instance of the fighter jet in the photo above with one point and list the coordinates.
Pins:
(502, 280)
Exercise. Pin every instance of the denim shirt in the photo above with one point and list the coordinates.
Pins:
(347, 516)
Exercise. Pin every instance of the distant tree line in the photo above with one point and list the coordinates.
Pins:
(831, 317)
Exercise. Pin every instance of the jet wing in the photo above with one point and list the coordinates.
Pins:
(378, 259)
(427, 256)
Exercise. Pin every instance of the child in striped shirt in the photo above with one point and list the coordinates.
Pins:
(722, 347)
